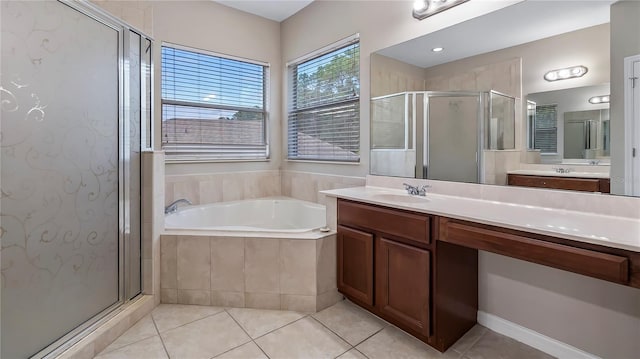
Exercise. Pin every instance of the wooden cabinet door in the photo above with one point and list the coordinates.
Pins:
(355, 264)
(402, 284)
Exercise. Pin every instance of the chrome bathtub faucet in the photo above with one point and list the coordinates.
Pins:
(173, 207)
(415, 190)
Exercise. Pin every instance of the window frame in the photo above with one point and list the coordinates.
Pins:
(173, 156)
(291, 70)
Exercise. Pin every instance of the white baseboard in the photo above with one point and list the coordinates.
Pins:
(532, 338)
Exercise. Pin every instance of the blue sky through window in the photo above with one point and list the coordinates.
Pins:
(206, 79)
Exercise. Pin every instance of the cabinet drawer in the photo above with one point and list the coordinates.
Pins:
(569, 183)
(392, 222)
(582, 261)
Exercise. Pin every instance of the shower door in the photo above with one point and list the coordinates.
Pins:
(453, 115)
(70, 176)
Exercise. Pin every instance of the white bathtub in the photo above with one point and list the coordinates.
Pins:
(264, 215)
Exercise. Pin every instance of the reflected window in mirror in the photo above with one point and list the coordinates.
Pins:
(545, 129)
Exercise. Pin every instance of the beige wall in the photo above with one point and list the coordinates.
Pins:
(389, 76)
(625, 41)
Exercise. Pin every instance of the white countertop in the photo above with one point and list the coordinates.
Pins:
(556, 174)
(610, 231)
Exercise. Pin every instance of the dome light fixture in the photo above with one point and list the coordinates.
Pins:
(422, 9)
(437, 49)
(566, 73)
(600, 99)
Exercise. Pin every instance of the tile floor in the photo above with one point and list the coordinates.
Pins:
(341, 331)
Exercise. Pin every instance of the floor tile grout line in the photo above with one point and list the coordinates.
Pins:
(271, 331)
(160, 336)
(338, 335)
(369, 337)
(193, 321)
(361, 353)
(134, 342)
(126, 345)
(251, 338)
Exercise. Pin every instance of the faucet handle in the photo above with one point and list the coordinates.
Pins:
(422, 191)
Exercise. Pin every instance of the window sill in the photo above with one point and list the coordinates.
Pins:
(195, 159)
(325, 162)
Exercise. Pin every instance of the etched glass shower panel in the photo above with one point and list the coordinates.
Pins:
(59, 152)
(452, 117)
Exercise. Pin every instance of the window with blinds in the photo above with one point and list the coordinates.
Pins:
(546, 129)
(213, 107)
(324, 106)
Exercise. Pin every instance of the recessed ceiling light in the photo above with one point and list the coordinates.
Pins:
(565, 74)
(437, 49)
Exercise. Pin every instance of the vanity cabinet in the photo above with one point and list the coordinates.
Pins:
(402, 285)
(388, 264)
(557, 182)
(355, 264)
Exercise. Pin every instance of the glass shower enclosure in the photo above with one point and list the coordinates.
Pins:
(76, 114)
(411, 133)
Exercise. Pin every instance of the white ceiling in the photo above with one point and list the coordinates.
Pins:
(514, 25)
(273, 10)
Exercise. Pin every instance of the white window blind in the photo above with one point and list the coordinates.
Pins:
(212, 107)
(324, 106)
(546, 129)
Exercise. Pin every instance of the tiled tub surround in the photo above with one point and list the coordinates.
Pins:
(242, 272)
(233, 186)
(222, 187)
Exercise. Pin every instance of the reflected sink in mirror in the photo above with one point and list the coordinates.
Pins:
(399, 198)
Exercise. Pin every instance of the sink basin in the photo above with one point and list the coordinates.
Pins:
(399, 198)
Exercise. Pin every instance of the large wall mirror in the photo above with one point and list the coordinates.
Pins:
(474, 102)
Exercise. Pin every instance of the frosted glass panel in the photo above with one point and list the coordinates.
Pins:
(500, 124)
(389, 122)
(452, 117)
(60, 195)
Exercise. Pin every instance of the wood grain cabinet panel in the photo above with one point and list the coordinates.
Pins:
(355, 264)
(595, 264)
(402, 225)
(402, 284)
(568, 183)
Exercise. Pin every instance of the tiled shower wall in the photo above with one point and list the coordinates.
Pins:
(232, 186)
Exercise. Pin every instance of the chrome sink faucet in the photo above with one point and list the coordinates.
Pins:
(173, 207)
(562, 170)
(416, 190)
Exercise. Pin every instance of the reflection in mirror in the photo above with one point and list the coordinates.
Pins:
(566, 128)
(504, 56)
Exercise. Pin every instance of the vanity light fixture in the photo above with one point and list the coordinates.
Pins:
(567, 73)
(422, 9)
(437, 49)
(599, 99)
